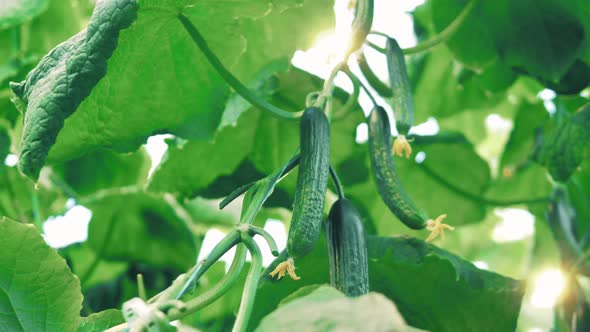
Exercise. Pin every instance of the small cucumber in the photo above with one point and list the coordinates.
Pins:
(347, 249)
(388, 183)
(312, 183)
(361, 24)
(402, 101)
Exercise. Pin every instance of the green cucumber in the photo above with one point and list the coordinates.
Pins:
(402, 101)
(388, 182)
(312, 183)
(361, 24)
(347, 249)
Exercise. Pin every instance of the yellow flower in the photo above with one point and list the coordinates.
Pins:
(287, 266)
(401, 145)
(436, 227)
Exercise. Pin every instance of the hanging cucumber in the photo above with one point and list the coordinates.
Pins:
(347, 249)
(388, 182)
(310, 192)
(361, 24)
(402, 101)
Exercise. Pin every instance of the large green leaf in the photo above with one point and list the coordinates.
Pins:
(437, 291)
(440, 91)
(90, 268)
(265, 140)
(543, 38)
(433, 289)
(172, 88)
(104, 169)
(14, 12)
(100, 321)
(18, 194)
(566, 146)
(190, 167)
(130, 225)
(326, 309)
(65, 77)
(37, 290)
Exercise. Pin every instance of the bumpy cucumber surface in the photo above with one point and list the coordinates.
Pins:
(388, 183)
(347, 249)
(402, 101)
(312, 183)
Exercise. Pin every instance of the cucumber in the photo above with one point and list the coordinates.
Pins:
(402, 101)
(312, 183)
(388, 183)
(347, 249)
(361, 24)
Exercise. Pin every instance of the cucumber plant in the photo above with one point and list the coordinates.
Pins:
(72, 81)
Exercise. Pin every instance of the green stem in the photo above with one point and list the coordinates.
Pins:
(210, 296)
(36, 212)
(141, 287)
(228, 242)
(337, 183)
(284, 171)
(375, 104)
(15, 35)
(352, 100)
(253, 230)
(17, 207)
(442, 37)
(98, 255)
(250, 287)
(381, 88)
(64, 186)
(241, 89)
(480, 199)
(328, 86)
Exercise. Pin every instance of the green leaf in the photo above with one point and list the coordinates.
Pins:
(130, 225)
(14, 12)
(37, 290)
(437, 291)
(565, 147)
(16, 197)
(65, 77)
(440, 90)
(101, 321)
(432, 288)
(171, 87)
(91, 269)
(326, 309)
(542, 38)
(104, 169)
(189, 167)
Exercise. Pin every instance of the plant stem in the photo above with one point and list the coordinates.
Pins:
(352, 100)
(375, 104)
(442, 37)
(230, 240)
(141, 287)
(294, 161)
(98, 255)
(477, 198)
(381, 88)
(229, 78)
(216, 292)
(337, 183)
(253, 230)
(251, 285)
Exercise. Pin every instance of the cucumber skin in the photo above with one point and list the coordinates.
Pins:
(312, 183)
(402, 101)
(387, 181)
(347, 249)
